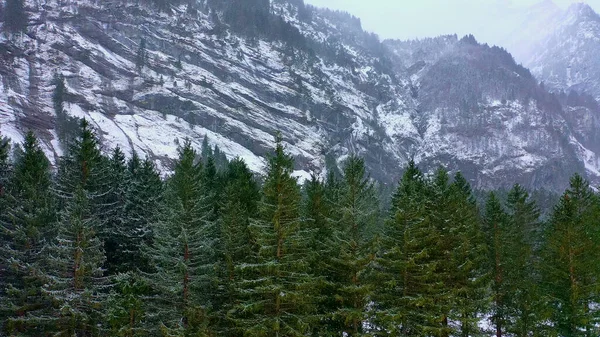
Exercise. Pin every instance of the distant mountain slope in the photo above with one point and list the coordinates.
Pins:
(561, 47)
(237, 71)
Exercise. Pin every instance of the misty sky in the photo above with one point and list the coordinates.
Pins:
(407, 19)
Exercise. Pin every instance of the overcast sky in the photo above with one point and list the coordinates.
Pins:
(407, 19)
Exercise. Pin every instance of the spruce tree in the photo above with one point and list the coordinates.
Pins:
(275, 297)
(85, 168)
(144, 195)
(238, 203)
(523, 277)
(177, 253)
(358, 215)
(115, 201)
(466, 275)
(496, 226)
(27, 219)
(73, 278)
(5, 168)
(571, 255)
(15, 17)
(141, 56)
(4, 165)
(405, 269)
(320, 221)
(125, 306)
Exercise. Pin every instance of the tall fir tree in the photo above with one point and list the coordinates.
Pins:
(238, 203)
(4, 165)
(354, 235)
(319, 218)
(29, 216)
(496, 226)
(571, 256)
(74, 268)
(275, 298)
(526, 306)
(73, 274)
(466, 278)
(141, 56)
(177, 251)
(405, 269)
(85, 168)
(15, 17)
(5, 168)
(126, 308)
(115, 201)
(144, 197)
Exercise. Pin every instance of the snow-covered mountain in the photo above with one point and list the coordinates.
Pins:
(561, 46)
(238, 74)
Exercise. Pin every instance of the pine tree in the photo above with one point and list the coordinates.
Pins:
(29, 215)
(176, 254)
(496, 226)
(144, 197)
(5, 168)
(275, 298)
(205, 151)
(405, 266)
(85, 170)
(238, 204)
(115, 201)
(141, 55)
(15, 17)
(523, 278)
(319, 219)
(571, 256)
(126, 309)
(73, 276)
(467, 277)
(358, 213)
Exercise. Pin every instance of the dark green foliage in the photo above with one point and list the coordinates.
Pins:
(318, 212)
(15, 17)
(496, 223)
(405, 268)
(178, 251)
(73, 270)
(238, 203)
(141, 56)
(275, 299)
(126, 308)
(73, 274)
(431, 263)
(114, 214)
(4, 166)
(461, 255)
(526, 306)
(211, 252)
(29, 215)
(144, 195)
(570, 259)
(356, 219)
(85, 170)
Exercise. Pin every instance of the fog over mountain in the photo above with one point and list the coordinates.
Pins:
(488, 20)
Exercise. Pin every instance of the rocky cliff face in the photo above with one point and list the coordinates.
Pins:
(561, 47)
(315, 75)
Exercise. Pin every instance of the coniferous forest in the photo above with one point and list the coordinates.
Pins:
(103, 245)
